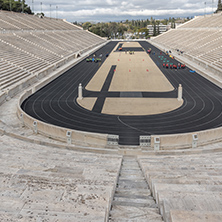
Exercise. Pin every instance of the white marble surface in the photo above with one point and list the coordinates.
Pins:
(39, 183)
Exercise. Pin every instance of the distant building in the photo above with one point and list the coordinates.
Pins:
(161, 28)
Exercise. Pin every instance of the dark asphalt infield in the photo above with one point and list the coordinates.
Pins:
(128, 49)
(56, 103)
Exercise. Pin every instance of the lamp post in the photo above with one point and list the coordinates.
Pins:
(56, 12)
(22, 6)
(212, 6)
(33, 6)
(50, 10)
(41, 6)
(10, 5)
(205, 8)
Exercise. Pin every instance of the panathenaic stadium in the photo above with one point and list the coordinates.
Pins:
(99, 130)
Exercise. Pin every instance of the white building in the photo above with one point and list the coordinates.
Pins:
(162, 28)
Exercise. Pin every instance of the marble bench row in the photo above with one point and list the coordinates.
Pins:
(183, 185)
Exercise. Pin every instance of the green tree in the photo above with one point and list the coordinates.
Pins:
(16, 6)
(95, 29)
(113, 28)
(121, 29)
(1, 4)
(173, 25)
(144, 30)
(117, 29)
(86, 25)
(165, 21)
(154, 29)
(157, 27)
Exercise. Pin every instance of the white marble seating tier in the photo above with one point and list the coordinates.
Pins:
(51, 184)
(190, 183)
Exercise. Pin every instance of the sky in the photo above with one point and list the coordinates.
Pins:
(117, 10)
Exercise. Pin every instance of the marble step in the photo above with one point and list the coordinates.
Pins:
(134, 202)
(133, 184)
(133, 198)
(136, 172)
(134, 214)
(132, 177)
(129, 195)
(127, 191)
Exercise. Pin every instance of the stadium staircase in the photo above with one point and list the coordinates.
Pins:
(132, 199)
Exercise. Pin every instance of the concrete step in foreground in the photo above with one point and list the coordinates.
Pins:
(132, 200)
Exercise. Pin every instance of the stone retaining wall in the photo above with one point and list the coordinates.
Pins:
(185, 140)
(208, 68)
(2, 97)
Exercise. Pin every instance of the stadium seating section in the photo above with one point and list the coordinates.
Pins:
(59, 185)
(186, 188)
(200, 38)
(29, 44)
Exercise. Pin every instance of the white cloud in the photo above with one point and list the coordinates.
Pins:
(113, 10)
(124, 3)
